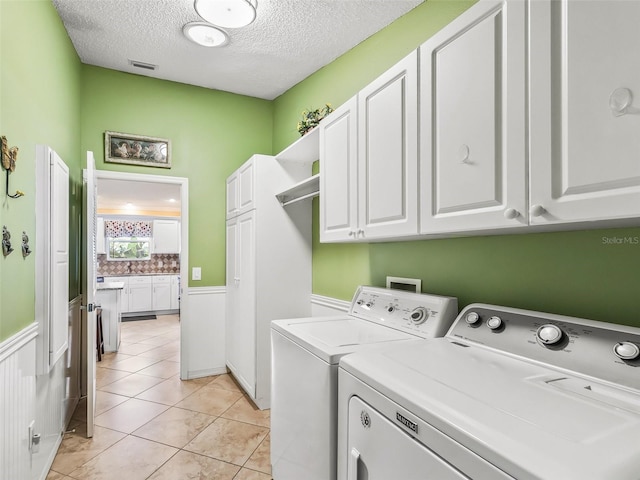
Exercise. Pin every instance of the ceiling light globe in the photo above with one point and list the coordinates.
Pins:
(227, 13)
(205, 35)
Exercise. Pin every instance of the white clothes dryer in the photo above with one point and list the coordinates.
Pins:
(304, 380)
(506, 394)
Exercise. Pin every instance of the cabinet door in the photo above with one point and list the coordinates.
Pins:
(246, 187)
(472, 121)
(175, 292)
(241, 301)
(388, 153)
(166, 236)
(339, 174)
(232, 195)
(124, 295)
(585, 147)
(162, 292)
(140, 294)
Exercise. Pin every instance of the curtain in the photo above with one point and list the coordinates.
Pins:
(125, 228)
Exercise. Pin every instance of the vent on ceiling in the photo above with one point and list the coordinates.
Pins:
(146, 66)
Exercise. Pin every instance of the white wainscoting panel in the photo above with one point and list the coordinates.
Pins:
(325, 306)
(17, 402)
(203, 334)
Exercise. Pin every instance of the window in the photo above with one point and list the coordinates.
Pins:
(129, 248)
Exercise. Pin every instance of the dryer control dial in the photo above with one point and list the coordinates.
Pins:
(419, 315)
(494, 323)
(626, 350)
(472, 318)
(549, 334)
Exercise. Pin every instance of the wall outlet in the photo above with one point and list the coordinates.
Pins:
(160, 263)
(173, 263)
(196, 273)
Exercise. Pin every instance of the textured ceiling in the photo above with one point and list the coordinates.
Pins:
(116, 194)
(288, 41)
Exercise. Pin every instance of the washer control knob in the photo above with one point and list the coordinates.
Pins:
(549, 334)
(419, 315)
(391, 309)
(494, 323)
(360, 302)
(626, 350)
(369, 305)
(472, 318)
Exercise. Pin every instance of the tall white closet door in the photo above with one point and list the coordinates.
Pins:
(241, 356)
(472, 120)
(585, 146)
(388, 152)
(59, 332)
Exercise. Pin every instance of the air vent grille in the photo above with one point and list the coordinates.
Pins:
(143, 65)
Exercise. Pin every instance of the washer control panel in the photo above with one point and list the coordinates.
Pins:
(425, 315)
(603, 350)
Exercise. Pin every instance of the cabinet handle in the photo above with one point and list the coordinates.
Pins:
(351, 232)
(620, 102)
(361, 233)
(511, 213)
(537, 210)
(354, 456)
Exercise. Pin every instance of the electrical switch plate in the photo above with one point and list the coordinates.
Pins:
(196, 273)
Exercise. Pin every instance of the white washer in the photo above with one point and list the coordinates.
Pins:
(305, 354)
(506, 394)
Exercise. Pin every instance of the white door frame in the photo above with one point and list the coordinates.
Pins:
(184, 244)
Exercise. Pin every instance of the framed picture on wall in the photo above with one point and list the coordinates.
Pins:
(137, 150)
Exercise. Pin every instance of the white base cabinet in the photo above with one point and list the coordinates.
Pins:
(149, 293)
(110, 301)
(268, 267)
(161, 292)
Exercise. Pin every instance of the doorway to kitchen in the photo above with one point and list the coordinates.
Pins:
(142, 238)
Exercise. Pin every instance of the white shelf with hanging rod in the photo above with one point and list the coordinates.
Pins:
(308, 188)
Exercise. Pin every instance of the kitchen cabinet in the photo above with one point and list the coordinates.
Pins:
(109, 298)
(101, 241)
(140, 294)
(175, 292)
(124, 294)
(161, 292)
(584, 118)
(268, 272)
(472, 122)
(369, 160)
(166, 236)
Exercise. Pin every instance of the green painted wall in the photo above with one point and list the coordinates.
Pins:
(211, 133)
(39, 104)
(573, 273)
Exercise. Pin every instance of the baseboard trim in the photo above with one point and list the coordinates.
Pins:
(205, 373)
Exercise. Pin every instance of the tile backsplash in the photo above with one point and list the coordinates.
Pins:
(161, 263)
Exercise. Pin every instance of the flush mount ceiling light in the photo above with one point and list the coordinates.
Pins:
(227, 13)
(205, 35)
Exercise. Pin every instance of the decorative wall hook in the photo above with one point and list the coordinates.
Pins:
(26, 251)
(6, 241)
(9, 159)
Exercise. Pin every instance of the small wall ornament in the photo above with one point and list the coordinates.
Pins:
(6, 241)
(9, 160)
(26, 250)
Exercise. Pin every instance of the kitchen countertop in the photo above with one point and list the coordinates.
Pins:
(139, 274)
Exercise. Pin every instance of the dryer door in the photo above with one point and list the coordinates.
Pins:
(379, 450)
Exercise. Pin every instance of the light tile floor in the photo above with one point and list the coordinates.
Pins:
(151, 425)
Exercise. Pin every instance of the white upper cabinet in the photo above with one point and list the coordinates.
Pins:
(241, 190)
(339, 174)
(472, 122)
(388, 153)
(166, 236)
(584, 119)
(369, 160)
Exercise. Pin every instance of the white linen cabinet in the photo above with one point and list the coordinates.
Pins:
(369, 160)
(473, 122)
(268, 273)
(584, 112)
